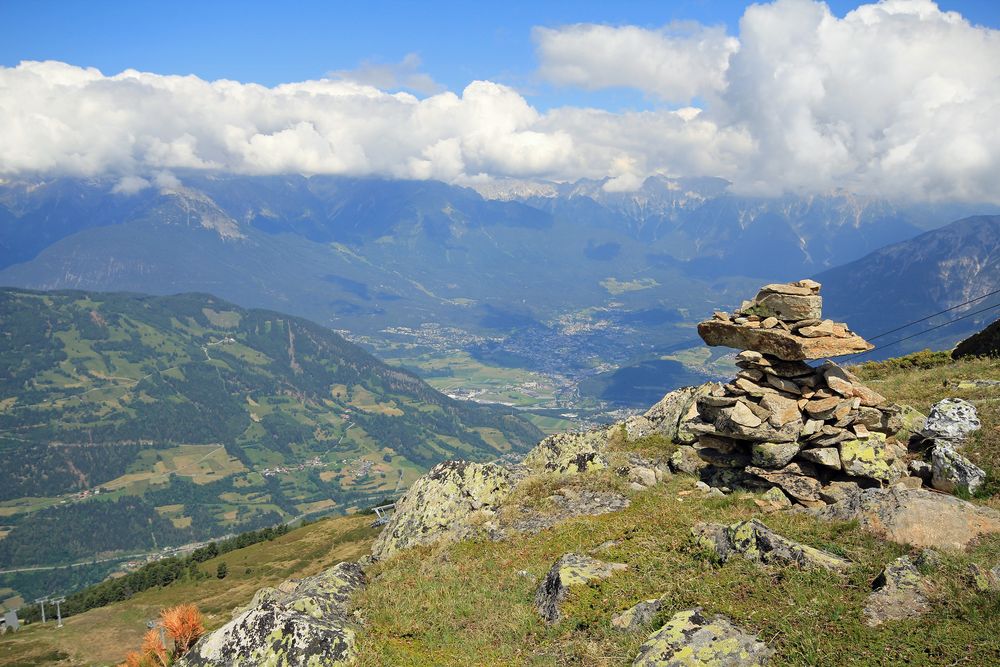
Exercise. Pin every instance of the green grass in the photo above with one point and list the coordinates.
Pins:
(472, 603)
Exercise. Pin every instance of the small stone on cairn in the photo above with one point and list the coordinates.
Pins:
(785, 422)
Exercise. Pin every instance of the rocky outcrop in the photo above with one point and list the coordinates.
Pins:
(570, 570)
(446, 504)
(899, 593)
(300, 623)
(671, 415)
(691, 639)
(756, 542)
(569, 452)
(917, 517)
(986, 343)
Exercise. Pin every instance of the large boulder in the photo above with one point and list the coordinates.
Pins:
(570, 453)
(951, 419)
(445, 504)
(951, 472)
(301, 623)
(691, 639)
(570, 570)
(756, 542)
(917, 517)
(899, 593)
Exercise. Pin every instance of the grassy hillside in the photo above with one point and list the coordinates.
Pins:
(128, 423)
(102, 636)
(428, 606)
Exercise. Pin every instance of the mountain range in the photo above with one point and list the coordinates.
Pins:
(562, 278)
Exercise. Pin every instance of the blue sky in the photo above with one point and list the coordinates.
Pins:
(277, 42)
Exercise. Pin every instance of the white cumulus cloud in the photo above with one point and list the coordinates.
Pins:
(896, 98)
(678, 62)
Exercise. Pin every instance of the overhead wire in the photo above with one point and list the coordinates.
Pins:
(933, 328)
(933, 315)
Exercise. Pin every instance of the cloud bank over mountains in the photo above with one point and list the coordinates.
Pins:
(896, 98)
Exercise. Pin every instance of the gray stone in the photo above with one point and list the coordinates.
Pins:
(951, 419)
(638, 616)
(673, 412)
(566, 503)
(951, 472)
(758, 543)
(570, 570)
(446, 504)
(921, 469)
(787, 307)
(690, 639)
(774, 454)
(828, 457)
(779, 343)
(797, 480)
(570, 452)
(686, 460)
(306, 624)
(899, 593)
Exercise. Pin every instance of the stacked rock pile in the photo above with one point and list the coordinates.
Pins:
(785, 422)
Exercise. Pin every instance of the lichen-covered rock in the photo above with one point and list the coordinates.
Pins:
(308, 625)
(776, 497)
(899, 593)
(570, 453)
(638, 616)
(951, 472)
(951, 419)
(691, 639)
(444, 504)
(686, 460)
(912, 421)
(868, 457)
(672, 412)
(756, 542)
(570, 570)
(917, 517)
(983, 580)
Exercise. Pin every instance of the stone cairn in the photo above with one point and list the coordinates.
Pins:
(790, 424)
